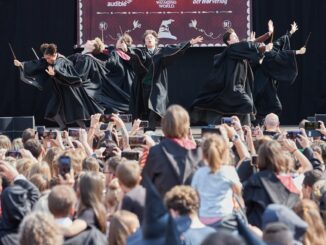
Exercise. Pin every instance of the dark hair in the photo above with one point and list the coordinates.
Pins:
(152, 32)
(48, 49)
(34, 146)
(227, 34)
(223, 238)
(271, 156)
(91, 188)
(28, 133)
(311, 177)
(277, 233)
(183, 199)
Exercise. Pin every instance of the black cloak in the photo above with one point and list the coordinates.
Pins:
(228, 90)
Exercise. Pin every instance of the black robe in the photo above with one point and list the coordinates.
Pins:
(279, 65)
(69, 99)
(228, 90)
(152, 91)
(98, 85)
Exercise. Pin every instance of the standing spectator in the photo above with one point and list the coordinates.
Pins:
(175, 159)
(128, 173)
(184, 201)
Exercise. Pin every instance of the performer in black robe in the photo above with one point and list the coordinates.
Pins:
(279, 65)
(151, 99)
(228, 90)
(69, 102)
(96, 79)
(126, 69)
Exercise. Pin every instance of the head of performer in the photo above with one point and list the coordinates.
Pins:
(124, 42)
(94, 46)
(49, 51)
(150, 39)
(230, 37)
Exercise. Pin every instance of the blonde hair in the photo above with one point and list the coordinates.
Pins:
(176, 123)
(24, 166)
(5, 142)
(215, 149)
(309, 212)
(40, 228)
(50, 157)
(40, 168)
(98, 46)
(123, 224)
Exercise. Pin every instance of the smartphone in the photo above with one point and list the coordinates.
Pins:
(73, 132)
(50, 134)
(107, 135)
(130, 155)
(106, 118)
(14, 154)
(104, 126)
(126, 118)
(210, 130)
(136, 140)
(311, 125)
(254, 160)
(64, 165)
(226, 120)
(269, 133)
(293, 134)
(40, 131)
(144, 124)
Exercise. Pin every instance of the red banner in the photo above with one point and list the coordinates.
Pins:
(174, 20)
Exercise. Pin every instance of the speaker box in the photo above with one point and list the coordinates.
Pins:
(13, 127)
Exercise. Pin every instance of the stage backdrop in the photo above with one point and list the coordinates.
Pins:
(174, 20)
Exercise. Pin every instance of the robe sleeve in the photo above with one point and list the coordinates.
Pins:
(65, 73)
(171, 52)
(245, 50)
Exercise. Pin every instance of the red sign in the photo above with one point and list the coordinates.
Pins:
(174, 20)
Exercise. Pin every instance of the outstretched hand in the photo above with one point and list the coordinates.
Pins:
(196, 40)
(294, 27)
(18, 63)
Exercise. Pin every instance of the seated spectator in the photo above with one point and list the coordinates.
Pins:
(272, 184)
(128, 174)
(123, 224)
(184, 201)
(277, 233)
(62, 200)
(17, 200)
(38, 229)
(309, 212)
(175, 159)
(217, 182)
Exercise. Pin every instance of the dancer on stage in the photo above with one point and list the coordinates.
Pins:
(228, 90)
(152, 92)
(69, 102)
(97, 79)
(279, 65)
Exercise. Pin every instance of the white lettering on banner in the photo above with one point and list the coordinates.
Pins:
(166, 3)
(225, 2)
(119, 3)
